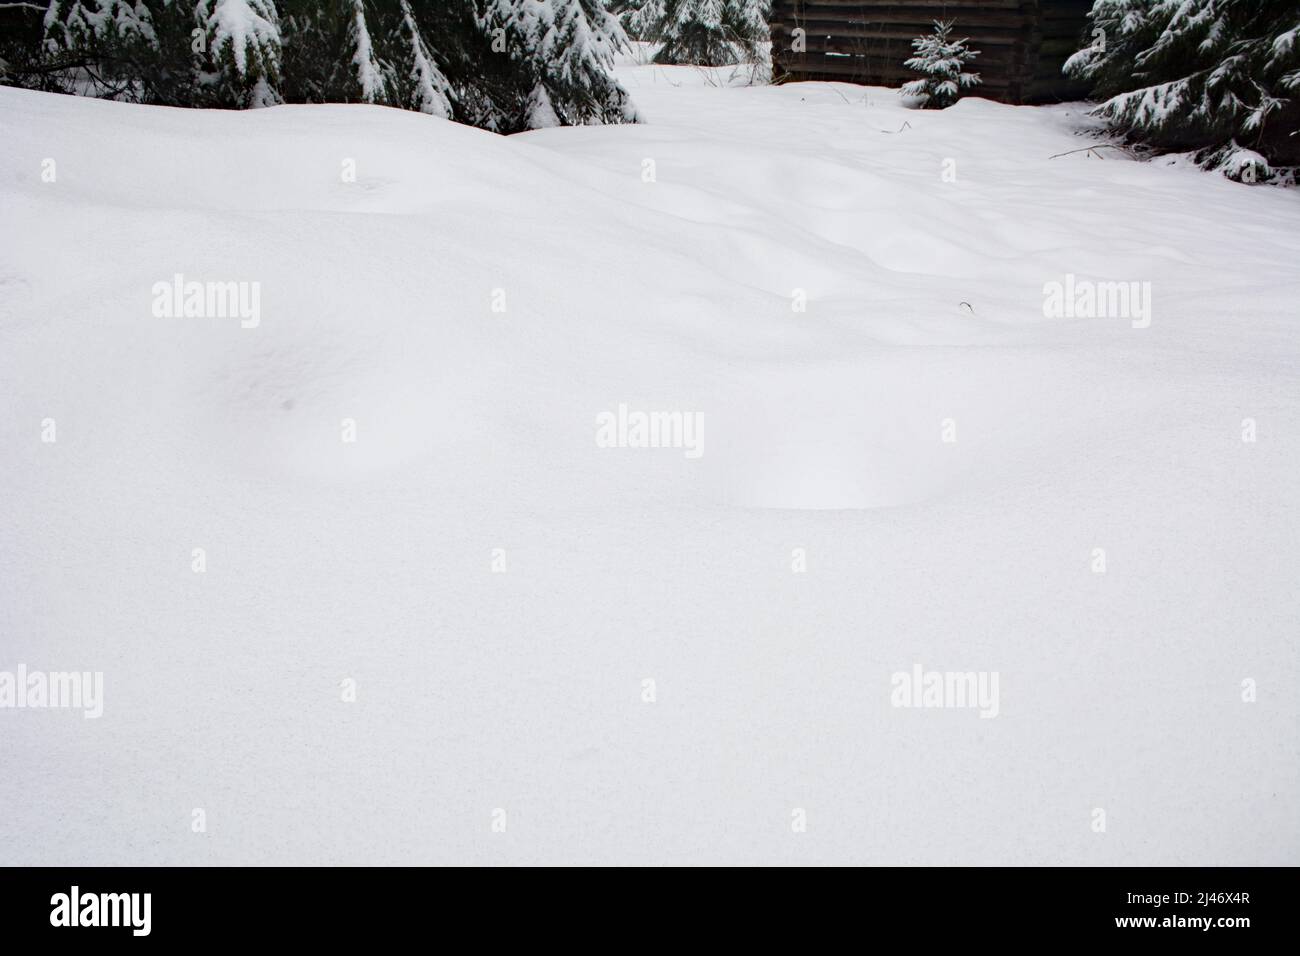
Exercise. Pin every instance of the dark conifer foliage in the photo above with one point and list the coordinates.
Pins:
(1220, 78)
(505, 65)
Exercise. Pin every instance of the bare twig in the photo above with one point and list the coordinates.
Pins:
(1093, 148)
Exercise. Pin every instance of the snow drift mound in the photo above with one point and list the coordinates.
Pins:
(400, 436)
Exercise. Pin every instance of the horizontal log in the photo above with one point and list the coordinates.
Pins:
(899, 41)
(941, 7)
(812, 18)
(874, 67)
(851, 66)
(1009, 64)
(909, 32)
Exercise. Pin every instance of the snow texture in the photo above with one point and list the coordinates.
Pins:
(522, 688)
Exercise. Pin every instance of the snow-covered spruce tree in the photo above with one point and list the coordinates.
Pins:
(241, 40)
(752, 29)
(577, 59)
(712, 32)
(552, 63)
(312, 36)
(174, 52)
(505, 65)
(692, 32)
(418, 82)
(941, 61)
(641, 19)
(1219, 78)
(333, 53)
(119, 49)
(23, 61)
(513, 95)
(366, 77)
(415, 54)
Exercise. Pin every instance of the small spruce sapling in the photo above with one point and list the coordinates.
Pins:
(940, 59)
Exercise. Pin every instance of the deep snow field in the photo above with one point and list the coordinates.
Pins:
(372, 561)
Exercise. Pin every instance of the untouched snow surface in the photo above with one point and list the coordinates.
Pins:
(372, 561)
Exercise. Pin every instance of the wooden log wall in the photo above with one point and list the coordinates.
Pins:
(1022, 43)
